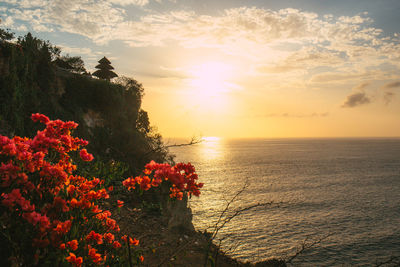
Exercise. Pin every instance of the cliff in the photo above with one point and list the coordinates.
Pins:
(118, 129)
(109, 114)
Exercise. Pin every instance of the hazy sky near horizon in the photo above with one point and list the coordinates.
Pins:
(239, 68)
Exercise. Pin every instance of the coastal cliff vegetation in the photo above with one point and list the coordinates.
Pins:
(66, 201)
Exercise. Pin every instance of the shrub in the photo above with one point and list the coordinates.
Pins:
(51, 216)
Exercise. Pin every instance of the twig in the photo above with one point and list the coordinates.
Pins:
(215, 231)
(305, 246)
(392, 259)
(193, 141)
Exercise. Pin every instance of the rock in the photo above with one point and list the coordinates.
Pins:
(180, 216)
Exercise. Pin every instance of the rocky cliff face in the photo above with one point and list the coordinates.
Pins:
(180, 216)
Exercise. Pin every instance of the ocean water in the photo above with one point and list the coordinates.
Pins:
(343, 191)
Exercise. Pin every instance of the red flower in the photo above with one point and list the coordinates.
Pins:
(116, 244)
(108, 237)
(120, 203)
(40, 117)
(96, 257)
(134, 241)
(92, 236)
(73, 245)
(74, 260)
(85, 155)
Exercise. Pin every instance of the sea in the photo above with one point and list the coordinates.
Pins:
(331, 202)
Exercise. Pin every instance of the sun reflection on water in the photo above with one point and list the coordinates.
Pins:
(210, 148)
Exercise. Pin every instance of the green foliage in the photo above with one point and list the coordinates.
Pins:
(112, 172)
(6, 35)
(74, 64)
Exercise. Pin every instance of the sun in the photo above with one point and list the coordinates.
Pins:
(211, 78)
(209, 85)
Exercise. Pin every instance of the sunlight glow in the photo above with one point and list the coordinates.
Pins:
(210, 138)
(209, 85)
(210, 148)
(212, 78)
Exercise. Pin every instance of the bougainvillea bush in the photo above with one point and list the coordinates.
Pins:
(51, 216)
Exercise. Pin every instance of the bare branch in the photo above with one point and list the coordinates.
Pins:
(395, 260)
(305, 246)
(238, 193)
(238, 212)
(192, 141)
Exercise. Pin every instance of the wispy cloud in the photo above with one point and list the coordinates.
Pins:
(389, 94)
(130, 2)
(295, 115)
(275, 41)
(391, 85)
(357, 97)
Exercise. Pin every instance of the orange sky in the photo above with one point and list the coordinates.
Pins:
(235, 68)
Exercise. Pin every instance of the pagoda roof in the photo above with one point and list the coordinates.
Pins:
(105, 74)
(104, 60)
(104, 66)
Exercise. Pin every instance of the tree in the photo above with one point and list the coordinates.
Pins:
(104, 70)
(74, 64)
(5, 34)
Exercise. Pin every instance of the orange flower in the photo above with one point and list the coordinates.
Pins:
(74, 260)
(134, 241)
(116, 244)
(94, 236)
(96, 257)
(108, 237)
(73, 245)
(85, 155)
(120, 203)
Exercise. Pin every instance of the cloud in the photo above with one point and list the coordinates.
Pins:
(252, 25)
(356, 99)
(130, 2)
(164, 73)
(391, 85)
(279, 41)
(341, 76)
(296, 115)
(388, 96)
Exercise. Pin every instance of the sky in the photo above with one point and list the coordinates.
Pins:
(239, 68)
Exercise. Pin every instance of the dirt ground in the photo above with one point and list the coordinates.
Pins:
(162, 245)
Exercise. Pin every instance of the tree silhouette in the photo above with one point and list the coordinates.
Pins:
(73, 64)
(104, 70)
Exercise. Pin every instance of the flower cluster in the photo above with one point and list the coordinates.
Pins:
(181, 177)
(45, 205)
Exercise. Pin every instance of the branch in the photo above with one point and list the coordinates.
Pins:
(392, 259)
(192, 141)
(305, 246)
(238, 212)
(244, 187)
